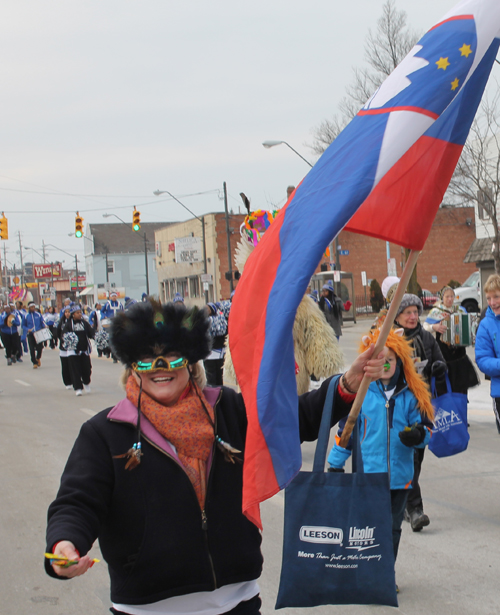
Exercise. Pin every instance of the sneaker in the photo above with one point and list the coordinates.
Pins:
(19, 360)
(9, 361)
(418, 519)
(86, 388)
(13, 360)
(35, 366)
(79, 392)
(69, 386)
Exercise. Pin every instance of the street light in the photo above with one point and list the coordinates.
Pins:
(145, 249)
(269, 144)
(202, 220)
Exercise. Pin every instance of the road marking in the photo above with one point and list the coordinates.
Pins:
(89, 412)
(25, 384)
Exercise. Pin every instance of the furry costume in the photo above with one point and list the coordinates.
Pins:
(315, 345)
(403, 350)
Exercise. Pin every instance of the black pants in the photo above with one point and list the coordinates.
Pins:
(65, 371)
(53, 341)
(80, 369)
(248, 607)
(11, 343)
(213, 370)
(496, 410)
(415, 495)
(398, 503)
(35, 349)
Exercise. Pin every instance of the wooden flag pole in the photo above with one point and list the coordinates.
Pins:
(382, 338)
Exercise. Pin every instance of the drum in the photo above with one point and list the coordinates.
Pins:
(106, 323)
(43, 335)
(460, 329)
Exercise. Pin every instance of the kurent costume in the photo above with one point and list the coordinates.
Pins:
(408, 406)
(168, 510)
(488, 356)
(461, 372)
(33, 321)
(76, 338)
(315, 346)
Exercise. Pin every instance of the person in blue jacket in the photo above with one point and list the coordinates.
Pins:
(33, 321)
(112, 307)
(488, 342)
(9, 322)
(396, 417)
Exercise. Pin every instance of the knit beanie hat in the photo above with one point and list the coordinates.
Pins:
(408, 300)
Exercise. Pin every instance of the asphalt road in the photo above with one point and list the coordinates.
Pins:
(451, 567)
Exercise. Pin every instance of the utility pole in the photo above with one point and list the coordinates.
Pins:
(228, 235)
(76, 268)
(21, 255)
(145, 263)
(5, 265)
(43, 251)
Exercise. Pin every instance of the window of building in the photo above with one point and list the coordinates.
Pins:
(111, 266)
(194, 287)
(182, 287)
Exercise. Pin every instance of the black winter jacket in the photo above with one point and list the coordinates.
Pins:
(153, 535)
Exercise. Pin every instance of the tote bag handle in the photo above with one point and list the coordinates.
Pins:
(433, 385)
(324, 429)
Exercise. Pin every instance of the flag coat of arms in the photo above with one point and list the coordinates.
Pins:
(384, 176)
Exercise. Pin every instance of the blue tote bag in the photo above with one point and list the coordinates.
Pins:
(449, 435)
(337, 543)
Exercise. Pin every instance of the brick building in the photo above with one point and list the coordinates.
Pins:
(441, 260)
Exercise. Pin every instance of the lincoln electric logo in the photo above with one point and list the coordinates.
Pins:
(329, 535)
(361, 538)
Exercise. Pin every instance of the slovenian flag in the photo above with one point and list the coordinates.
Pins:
(384, 176)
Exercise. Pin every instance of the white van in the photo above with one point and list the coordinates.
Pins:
(469, 294)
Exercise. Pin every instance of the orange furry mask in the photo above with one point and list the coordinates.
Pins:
(403, 350)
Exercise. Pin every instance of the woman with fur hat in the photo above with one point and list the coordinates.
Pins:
(429, 362)
(158, 478)
(395, 420)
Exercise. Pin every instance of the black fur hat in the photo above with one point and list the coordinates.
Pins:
(149, 329)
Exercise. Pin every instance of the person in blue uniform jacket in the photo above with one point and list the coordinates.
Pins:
(33, 321)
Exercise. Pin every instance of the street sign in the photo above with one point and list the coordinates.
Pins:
(336, 276)
(344, 252)
(363, 278)
(206, 277)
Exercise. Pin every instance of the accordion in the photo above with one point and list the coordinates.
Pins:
(460, 329)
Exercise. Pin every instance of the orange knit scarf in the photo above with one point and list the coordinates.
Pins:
(186, 426)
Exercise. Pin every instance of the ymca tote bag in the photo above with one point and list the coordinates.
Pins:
(449, 435)
(337, 543)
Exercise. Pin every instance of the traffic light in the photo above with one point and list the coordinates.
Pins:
(4, 227)
(136, 220)
(78, 225)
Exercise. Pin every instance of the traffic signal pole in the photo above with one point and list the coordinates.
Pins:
(146, 263)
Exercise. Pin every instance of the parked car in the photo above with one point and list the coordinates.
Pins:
(469, 294)
(428, 299)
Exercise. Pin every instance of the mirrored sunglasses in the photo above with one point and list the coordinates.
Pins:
(160, 363)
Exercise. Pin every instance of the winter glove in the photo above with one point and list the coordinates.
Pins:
(412, 436)
(330, 469)
(438, 370)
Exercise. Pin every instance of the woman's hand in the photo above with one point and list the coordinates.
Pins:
(365, 363)
(67, 548)
(439, 328)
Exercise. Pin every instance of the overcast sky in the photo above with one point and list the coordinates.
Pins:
(118, 98)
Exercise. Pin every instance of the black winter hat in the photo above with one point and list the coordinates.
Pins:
(149, 329)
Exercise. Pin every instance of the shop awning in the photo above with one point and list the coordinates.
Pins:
(89, 290)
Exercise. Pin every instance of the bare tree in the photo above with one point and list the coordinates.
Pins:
(384, 50)
(476, 180)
